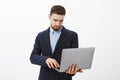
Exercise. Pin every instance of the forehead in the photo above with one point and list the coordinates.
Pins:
(57, 17)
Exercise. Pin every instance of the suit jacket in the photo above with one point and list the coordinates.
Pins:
(42, 50)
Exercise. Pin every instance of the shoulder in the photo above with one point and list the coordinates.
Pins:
(70, 32)
(42, 34)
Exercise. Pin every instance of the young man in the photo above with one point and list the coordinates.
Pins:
(49, 44)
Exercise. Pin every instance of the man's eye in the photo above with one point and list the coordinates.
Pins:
(55, 20)
(61, 21)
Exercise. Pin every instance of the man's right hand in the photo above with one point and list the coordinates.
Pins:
(52, 63)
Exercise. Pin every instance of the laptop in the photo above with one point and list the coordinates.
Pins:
(81, 56)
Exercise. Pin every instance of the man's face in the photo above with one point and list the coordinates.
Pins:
(56, 21)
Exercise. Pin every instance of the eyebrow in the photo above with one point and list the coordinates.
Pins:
(58, 20)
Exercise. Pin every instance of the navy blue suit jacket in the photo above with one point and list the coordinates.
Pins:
(42, 50)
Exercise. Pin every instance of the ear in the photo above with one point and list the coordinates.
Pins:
(49, 16)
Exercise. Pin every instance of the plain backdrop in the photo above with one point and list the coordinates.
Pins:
(97, 23)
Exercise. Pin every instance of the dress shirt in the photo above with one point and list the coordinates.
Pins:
(54, 36)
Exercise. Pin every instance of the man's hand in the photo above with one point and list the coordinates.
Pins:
(73, 69)
(52, 63)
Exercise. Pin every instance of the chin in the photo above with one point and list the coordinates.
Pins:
(56, 29)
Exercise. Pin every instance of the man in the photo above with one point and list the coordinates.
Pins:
(49, 44)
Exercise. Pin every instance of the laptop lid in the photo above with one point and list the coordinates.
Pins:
(81, 56)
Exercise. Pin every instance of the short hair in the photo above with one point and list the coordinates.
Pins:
(58, 9)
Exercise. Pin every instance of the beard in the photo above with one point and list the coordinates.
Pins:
(56, 28)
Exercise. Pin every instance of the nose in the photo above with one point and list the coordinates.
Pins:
(58, 23)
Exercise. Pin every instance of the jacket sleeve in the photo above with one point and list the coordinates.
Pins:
(36, 56)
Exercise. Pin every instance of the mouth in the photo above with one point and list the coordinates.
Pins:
(56, 28)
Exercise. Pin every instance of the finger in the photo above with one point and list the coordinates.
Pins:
(69, 69)
(55, 63)
(72, 68)
(80, 70)
(76, 68)
(52, 65)
(48, 62)
(48, 65)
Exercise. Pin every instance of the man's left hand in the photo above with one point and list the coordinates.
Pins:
(73, 69)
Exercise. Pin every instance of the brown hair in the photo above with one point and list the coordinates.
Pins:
(58, 9)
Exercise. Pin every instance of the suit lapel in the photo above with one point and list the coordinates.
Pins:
(61, 39)
(47, 41)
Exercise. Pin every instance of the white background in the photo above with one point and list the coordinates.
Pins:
(97, 23)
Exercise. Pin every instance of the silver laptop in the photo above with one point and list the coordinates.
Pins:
(81, 56)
